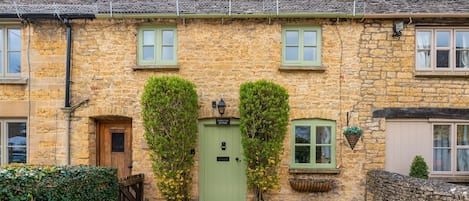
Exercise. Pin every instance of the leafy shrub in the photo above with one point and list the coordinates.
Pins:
(170, 120)
(58, 183)
(263, 120)
(419, 168)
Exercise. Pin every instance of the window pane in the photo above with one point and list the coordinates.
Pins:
(1, 51)
(302, 134)
(148, 53)
(424, 39)
(310, 38)
(16, 142)
(302, 154)
(168, 53)
(16, 134)
(462, 39)
(323, 135)
(323, 154)
(14, 62)
(168, 37)
(14, 40)
(1, 39)
(463, 135)
(441, 136)
(118, 142)
(462, 58)
(148, 37)
(463, 160)
(292, 37)
(16, 154)
(291, 53)
(1, 61)
(423, 58)
(309, 53)
(442, 38)
(441, 159)
(442, 58)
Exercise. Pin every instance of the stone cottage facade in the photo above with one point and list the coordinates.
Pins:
(72, 75)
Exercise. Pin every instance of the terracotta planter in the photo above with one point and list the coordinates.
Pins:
(352, 139)
(311, 185)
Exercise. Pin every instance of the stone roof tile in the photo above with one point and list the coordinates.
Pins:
(233, 6)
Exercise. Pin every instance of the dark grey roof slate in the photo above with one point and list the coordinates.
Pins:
(21, 7)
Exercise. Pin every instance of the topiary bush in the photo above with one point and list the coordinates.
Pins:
(58, 183)
(263, 120)
(419, 168)
(169, 110)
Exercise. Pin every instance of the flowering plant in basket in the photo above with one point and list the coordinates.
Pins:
(353, 134)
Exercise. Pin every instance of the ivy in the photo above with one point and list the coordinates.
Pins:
(170, 120)
(263, 120)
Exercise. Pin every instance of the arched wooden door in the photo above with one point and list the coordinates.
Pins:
(114, 146)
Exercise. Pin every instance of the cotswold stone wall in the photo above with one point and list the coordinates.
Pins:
(365, 69)
(382, 185)
(217, 56)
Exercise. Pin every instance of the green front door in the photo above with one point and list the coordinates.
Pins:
(222, 171)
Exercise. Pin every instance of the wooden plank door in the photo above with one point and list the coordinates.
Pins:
(115, 146)
(222, 169)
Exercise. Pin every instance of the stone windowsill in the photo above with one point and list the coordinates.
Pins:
(14, 80)
(302, 68)
(158, 67)
(441, 73)
(314, 170)
(451, 179)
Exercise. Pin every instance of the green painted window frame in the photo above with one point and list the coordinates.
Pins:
(5, 50)
(313, 123)
(157, 45)
(302, 45)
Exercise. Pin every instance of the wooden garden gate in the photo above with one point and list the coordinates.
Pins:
(131, 188)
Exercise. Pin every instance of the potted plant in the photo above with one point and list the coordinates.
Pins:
(353, 134)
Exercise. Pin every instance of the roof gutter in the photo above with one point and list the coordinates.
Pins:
(415, 15)
(206, 16)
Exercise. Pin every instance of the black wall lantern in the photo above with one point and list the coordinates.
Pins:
(220, 106)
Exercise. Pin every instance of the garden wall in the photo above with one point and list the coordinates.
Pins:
(382, 185)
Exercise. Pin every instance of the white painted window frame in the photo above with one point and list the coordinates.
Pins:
(4, 51)
(433, 50)
(4, 139)
(454, 147)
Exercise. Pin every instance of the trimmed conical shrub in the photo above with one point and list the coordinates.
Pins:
(419, 168)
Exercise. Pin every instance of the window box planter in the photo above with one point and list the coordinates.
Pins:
(312, 185)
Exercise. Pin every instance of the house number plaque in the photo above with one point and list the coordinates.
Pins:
(223, 121)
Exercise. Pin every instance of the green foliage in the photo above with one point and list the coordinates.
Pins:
(263, 120)
(353, 130)
(419, 168)
(57, 183)
(170, 120)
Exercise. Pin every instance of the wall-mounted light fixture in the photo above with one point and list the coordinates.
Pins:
(220, 106)
(397, 29)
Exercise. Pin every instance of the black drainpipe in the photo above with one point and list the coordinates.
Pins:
(67, 64)
(68, 109)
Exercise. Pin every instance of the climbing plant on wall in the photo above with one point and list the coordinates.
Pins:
(263, 120)
(169, 110)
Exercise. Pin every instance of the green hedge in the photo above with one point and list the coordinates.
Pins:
(264, 117)
(64, 183)
(169, 110)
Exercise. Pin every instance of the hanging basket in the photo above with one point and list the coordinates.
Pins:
(352, 139)
(311, 185)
